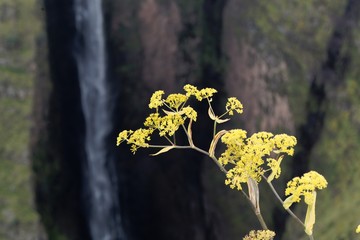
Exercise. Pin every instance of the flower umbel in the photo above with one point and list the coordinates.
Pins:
(156, 99)
(123, 136)
(233, 104)
(247, 155)
(175, 100)
(190, 113)
(199, 94)
(260, 235)
(139, 139)
(304, 186)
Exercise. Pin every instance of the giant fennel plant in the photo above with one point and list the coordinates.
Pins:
(246, 161)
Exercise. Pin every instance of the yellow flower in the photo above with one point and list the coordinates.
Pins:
(358, 229)
(260, 235)
(233, 104)
(156, 99)
(234, 141)
(123, 135)
(138, 138)
(261, 143)
(247, 155)
(153, 120)
(205, 93)
(175, 100)
(199, 94)
(285, 143)
(169, 124)
(304, 186)
(190, 113)
(190, 90)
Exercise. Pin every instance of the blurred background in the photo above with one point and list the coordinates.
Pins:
(75, 73)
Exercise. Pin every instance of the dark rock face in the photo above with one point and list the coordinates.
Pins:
(57, 135)
(151, 45)
(159, 198)
(230, 45)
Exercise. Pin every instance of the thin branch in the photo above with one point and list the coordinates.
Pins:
(257, 213)
(282, 202)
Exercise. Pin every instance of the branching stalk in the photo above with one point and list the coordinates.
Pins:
(282, 202)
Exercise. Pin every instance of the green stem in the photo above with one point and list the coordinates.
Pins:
(213, 158)
(282, 202)
(257, 212)
(168, 139)
(196, 149)
(214, 131)
(188, 135)
(261, 220)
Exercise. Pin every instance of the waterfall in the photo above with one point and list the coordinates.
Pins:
(101, 191)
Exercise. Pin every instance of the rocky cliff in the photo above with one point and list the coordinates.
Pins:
(290, 63)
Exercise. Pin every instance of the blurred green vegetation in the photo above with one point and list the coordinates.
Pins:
(19, 27)
(299, 33)
(296, 32)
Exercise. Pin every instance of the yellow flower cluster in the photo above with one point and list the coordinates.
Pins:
(233, 104)
(156, 99)
(123, 136)
(285, 143)
(234, 141)
(260, 235)
(169, 124)
(174, 114)
(174, 101)
(190, 113)
(304, 186)
(136, 138)
(199, 94)
(247, 155)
